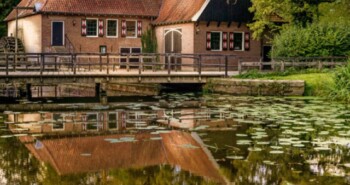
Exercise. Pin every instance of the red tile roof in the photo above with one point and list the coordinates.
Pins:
(93, 7)
(65, 155)
(174, 11)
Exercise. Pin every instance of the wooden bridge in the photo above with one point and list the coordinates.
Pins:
(40, 68)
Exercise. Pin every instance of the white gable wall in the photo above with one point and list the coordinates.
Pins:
(29, 31)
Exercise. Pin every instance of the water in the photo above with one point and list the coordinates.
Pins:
(176, 139)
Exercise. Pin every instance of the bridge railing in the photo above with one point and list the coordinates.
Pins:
(110, 63)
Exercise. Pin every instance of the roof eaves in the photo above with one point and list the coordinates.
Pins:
(171, 22)
(20, 17)
(199, 13)
(99, 14)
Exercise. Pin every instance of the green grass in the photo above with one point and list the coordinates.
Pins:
(316, 84)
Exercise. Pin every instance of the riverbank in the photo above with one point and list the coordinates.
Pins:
(257, 87)
(316, 83)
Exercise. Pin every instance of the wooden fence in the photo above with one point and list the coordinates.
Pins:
(281, 64)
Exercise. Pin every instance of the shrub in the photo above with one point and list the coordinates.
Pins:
(149, 42)
(341, 87)
(316, 40)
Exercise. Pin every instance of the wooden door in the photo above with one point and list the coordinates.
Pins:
(57, 33)
(173, 44)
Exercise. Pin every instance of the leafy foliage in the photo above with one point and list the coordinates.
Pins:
(335, 12)
(296, 12)
(149, 42)
(254, 74)
(313, 41)
(341, 88)
(5, 8)
(263, 12)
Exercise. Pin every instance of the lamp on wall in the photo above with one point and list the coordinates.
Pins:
(197, 30)
(74, 22)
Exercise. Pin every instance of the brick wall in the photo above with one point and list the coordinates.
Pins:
(202, 29)
(89, 44)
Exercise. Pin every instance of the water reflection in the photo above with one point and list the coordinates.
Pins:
(115, 120)
(214, 139)
(180, 151)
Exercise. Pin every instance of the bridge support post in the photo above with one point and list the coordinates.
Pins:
(101, 93)
(29, 91)
(97, 90)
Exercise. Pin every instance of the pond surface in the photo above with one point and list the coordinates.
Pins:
(176, 139)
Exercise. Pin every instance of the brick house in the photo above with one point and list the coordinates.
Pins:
(181, 26)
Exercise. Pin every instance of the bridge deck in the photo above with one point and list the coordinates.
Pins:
(121, 68)
(120, 76)
(112, 73)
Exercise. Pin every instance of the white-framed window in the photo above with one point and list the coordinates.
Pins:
(58, 122)
(112, 28)
(113, 120)
(92, 122)
(91, 27)
(238, 41)
(216, 41)
(131, 28)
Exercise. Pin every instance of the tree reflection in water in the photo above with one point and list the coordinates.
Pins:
(281, 141)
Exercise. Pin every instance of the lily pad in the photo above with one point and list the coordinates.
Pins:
(235, 157)
(276, 152)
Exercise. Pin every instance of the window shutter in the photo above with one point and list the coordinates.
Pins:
(208, 40)
(123, 28)
(139, 28)
(246, 41)
(83, 27)
(224, 40)
(100, 28)
(231, 45)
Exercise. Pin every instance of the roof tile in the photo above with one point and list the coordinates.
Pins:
(178, 10)
(89, 7)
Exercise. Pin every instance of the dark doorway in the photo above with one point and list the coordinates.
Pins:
(173, 44)
(266, 56)
(57, 33)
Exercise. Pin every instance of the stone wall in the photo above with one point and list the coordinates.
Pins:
(257, 87)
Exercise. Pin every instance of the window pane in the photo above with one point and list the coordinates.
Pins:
(112, 28)
(136, 50)
(238, 41)
(91, 27)
(103, 49)
(124, 50)
(131, 28)
(91, 122)
(112, 121)
(215, 40)
(58, 122)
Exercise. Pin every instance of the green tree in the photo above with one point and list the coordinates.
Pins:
(336, 12)
(295, 12)
(316, 40)
(5, 8)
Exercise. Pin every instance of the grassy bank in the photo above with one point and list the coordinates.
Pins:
(317, 83)
(333, 84)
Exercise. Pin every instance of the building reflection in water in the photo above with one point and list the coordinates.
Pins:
(115, 120)
(71, 155)
(119, 139)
